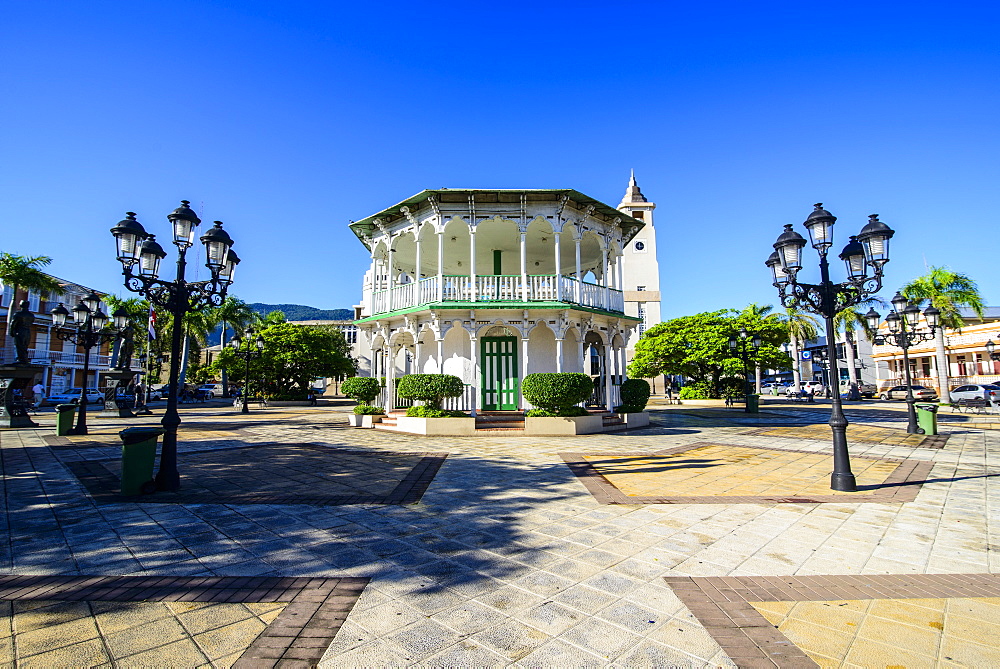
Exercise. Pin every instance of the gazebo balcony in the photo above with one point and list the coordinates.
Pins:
(492, 289)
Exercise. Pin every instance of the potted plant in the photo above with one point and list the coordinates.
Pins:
(634, 396)
(364, 389)
(428, 417)
(555, 397)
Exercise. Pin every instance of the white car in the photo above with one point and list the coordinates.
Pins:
(815, 386)
(72, 396)
(211, 390)
(989, 392)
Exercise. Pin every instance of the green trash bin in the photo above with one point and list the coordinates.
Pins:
(927, 417)
(65, 413)
(138, 455)
(753, 403)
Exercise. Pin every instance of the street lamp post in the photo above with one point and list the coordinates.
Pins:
(139, 250)
(88, 331)
(868, 251)
(247, 353)
(991, 348)
(743, 344)
(904, 333)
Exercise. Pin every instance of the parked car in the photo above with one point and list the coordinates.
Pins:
(72, 396)
(868, 390)
(211, 390)
(815, 386)
(899, 393)
(990, 392)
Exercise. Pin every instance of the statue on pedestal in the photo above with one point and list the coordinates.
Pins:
(20, 332)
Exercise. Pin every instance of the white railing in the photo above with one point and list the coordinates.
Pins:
(42, 357)
(499, 288)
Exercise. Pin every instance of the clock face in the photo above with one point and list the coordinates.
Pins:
(640, 246)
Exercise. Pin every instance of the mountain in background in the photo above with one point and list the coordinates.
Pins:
(300, 312)
(293, 312)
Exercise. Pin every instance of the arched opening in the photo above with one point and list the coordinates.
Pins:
(541, 349)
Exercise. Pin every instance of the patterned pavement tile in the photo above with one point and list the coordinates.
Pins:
(727, 474)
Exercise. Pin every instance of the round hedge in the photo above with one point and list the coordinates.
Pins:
(557, 391)
(634, 395)
(362, 388)
(429, 388)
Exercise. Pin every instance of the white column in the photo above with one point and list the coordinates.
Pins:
(607, 377)
(391, 279)
(440, 236)
(418, 263)
(418, 349)
(474, 342)
(618, 266)
(558, 270)
(524, 367)
(524, 267)
(559, 355)
(579, 273)
(390, 380)
(606, 278)
(582, 355)
(440, 360)
(473, 289)
(372, 285)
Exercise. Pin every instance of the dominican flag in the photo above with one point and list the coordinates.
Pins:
(152, 323)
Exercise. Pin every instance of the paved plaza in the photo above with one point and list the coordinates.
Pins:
(710, 538)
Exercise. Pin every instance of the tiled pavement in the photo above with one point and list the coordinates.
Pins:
(507, 558)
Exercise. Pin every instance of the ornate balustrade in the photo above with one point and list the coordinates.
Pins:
(498, 288)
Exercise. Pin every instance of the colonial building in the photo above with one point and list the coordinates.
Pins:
(492, 285)
(965, 349)
(641, 280)
(63, 360)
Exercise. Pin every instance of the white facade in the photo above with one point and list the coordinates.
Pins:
(492, 285)
(641, 281)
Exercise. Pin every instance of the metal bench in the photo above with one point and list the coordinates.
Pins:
(259, 401)
(977, 404)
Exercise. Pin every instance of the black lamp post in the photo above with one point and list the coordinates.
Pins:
(991, 348)
(744, 345)
(138, 250)
(867, 252)
(248, 353)
(88, 330)
(904, 333)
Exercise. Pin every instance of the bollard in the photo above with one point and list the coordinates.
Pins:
(138, 456)
(65, 413)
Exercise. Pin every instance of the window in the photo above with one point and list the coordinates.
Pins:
(642, 316)
(640, 288)
(639, 214)
(350, 333)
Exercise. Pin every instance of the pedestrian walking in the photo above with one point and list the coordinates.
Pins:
(39, 390)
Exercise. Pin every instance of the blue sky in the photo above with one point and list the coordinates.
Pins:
(287, 120)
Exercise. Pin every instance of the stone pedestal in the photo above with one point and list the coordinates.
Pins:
(14, 382)
(118, 403)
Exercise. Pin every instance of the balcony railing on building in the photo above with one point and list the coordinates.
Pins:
(498, 288)
(69, 359)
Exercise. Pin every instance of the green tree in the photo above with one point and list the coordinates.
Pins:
(238, 314)
(293, 357)
(849, 321)
(22, 272)
(697, 347)
(948, 291)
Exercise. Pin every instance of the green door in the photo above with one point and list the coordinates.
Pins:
(500, 383)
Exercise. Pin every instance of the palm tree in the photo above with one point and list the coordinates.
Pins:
(948, 291)
(849, 321)
(237, 313)
(23, 272)
(802, 326)
(138, 314)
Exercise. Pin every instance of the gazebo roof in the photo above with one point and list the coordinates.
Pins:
(366, 227)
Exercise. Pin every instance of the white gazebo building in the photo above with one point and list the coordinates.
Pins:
(492, 285)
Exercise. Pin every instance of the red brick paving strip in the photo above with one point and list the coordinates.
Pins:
(722, 605)
(299, 636)
(902, 485)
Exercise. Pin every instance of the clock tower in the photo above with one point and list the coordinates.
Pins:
(641, 272)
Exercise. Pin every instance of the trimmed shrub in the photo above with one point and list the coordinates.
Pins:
(557, 392)
(362, 388)
(696, 391)
(564, 413)
(431, 412)
(429, 388)
(634, 395)
(365, 410)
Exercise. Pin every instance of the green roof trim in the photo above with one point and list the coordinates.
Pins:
(366, 227)
(484, 306)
